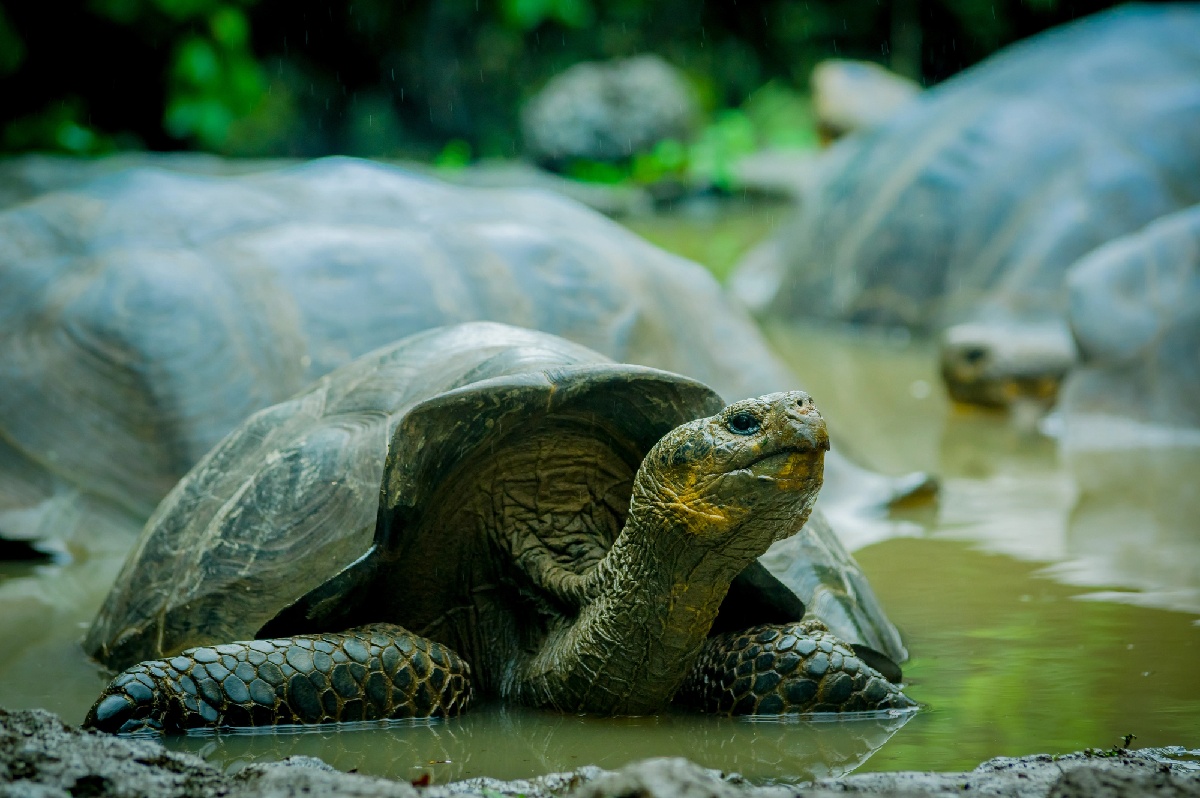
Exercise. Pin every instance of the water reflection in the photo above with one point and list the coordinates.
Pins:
(1136, 526)
(44, 610)
(1121, 520)
(511, 743)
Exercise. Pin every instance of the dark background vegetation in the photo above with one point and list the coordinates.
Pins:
(405, 77)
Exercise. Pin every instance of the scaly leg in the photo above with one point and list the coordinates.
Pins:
(777, 669)
(370, 673)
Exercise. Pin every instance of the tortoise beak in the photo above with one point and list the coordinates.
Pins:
(801, 426)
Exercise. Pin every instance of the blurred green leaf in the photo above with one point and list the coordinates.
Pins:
(74, 137)
(597, 172)
(230, 28)
(245, 82)
(730, 136)
(196, 63)
(782, 117)
(455, 155)
(59, 127)
(528, 14)
(210, 88)
(574, 13)
(206, 119)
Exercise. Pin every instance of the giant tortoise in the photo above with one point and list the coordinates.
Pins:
(1135, 311)
(145, 314)
(584, 534)
(970, 205)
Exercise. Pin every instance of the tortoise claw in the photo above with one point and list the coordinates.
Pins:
(128, 705)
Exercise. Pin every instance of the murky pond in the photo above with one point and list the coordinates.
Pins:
(1050, 603)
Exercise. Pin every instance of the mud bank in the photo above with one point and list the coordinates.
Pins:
(42, 756)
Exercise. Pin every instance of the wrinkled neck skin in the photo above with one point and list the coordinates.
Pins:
(645, 611)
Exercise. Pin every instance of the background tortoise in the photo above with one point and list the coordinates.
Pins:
(1135, 312)
(971, 204)
(145, 314)
(505, 531)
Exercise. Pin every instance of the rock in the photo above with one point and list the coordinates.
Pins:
(855, 95)
(673, 777)
(42, 756)
(1031, 776)
(608, 111)
(1110, 783)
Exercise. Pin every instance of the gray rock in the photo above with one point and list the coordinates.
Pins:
(608, 111)
(1032, 776)
(1095, 782)
(673, 777)
(42, 756)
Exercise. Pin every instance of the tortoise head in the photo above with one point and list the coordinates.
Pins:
(739, 480)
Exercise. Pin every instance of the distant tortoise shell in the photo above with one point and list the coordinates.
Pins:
(293, 495)
(975, 200)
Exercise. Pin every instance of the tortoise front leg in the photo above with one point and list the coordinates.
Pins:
(777, 669)
(370, 673)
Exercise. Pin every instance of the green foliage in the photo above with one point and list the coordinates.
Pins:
(782, 117)
(667, 160)
(376, 77)
(214, 78)
(60, 126)
(728, 137)
(528, 14)
(598, 171)
(775, 116)
(212, 81)
(455, 155)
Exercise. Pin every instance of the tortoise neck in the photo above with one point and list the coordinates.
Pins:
(647, 608)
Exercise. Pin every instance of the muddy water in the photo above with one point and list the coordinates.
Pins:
(1050, 603)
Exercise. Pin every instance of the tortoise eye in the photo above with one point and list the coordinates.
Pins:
(743, 423)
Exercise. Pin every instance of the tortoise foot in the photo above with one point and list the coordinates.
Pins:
(375, 672)
(778, 669)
